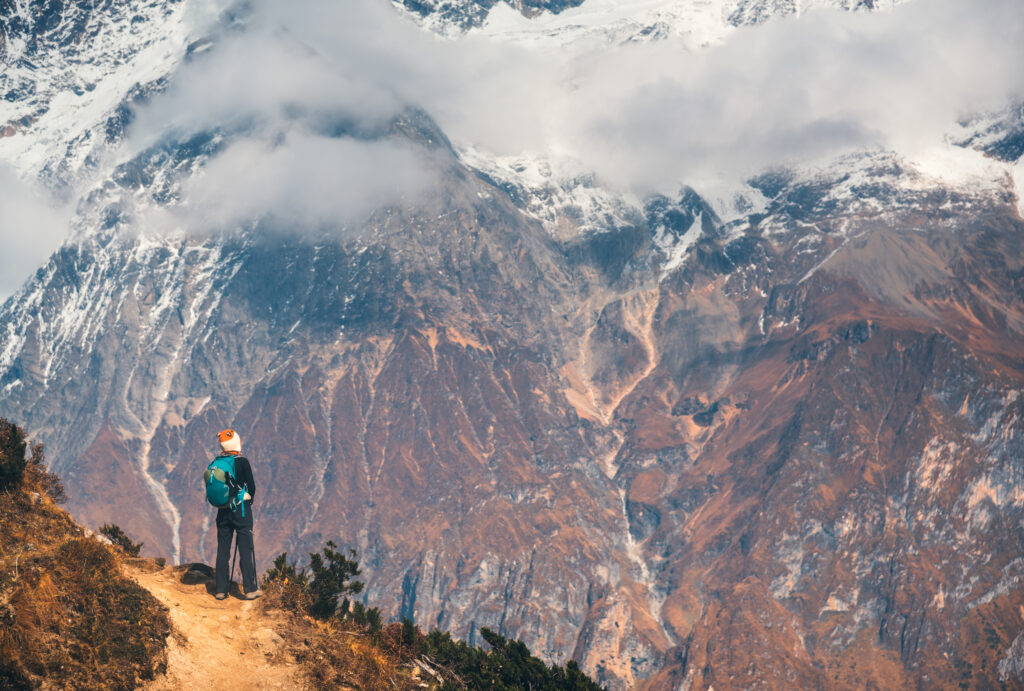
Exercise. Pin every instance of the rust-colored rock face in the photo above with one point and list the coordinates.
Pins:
(788, 459)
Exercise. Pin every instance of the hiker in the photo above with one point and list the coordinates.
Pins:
(231, 487)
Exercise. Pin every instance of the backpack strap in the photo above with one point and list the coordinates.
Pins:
(239, 500)
(240, 487)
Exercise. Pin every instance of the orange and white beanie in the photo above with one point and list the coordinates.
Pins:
(230, 442)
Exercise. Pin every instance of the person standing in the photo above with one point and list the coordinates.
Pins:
(236, 518)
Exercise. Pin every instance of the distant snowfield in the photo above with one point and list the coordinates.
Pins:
(960, 167)
(697, 23)
(71, 88)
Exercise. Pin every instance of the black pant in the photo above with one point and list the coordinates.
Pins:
(229, 521)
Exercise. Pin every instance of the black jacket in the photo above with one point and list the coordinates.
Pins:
(243, 475)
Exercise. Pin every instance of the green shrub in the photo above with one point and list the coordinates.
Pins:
(286, 586)
(12, 453)
(114, 533)
(283, 570)
(318, 590)
(365, 617)
(16, 468)
(331, 579)
(506, 666)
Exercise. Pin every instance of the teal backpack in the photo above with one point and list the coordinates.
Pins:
(222, 489)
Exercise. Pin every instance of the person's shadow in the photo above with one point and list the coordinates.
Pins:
(201, 574)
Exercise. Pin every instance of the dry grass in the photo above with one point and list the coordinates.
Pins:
(285, 595)
(68, 618)
(335, 654)
(338, 658)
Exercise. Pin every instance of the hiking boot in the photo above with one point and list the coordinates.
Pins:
(221, 596)
(253, 595)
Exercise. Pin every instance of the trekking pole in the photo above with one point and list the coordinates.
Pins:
(234, 560)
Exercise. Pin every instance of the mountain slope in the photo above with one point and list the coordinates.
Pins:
(634, 469)
(82, 611)
(70, 615)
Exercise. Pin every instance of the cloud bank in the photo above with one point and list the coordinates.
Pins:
(305, 129)
(794, 91)
(304, 181)
(643, 117)
(32, 225)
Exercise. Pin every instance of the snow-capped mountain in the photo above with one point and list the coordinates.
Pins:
(764, 431)
(566, 21)
(72, 70)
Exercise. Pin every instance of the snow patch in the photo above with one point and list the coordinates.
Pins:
(1018, 185)
(695, 23)
(556, 192)
(73, 90)
(1012, 664)
(791, 555)
(676, 247)
(959, 167)
(935, 464)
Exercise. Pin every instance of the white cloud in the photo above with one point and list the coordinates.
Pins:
(31, 225)
(304, 91)
(801, 89)
(305, 100)
(642, 116)
(303, 182)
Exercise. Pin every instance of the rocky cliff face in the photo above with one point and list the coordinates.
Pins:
(780, 450)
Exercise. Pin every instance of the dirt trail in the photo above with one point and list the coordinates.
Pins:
(217, 644)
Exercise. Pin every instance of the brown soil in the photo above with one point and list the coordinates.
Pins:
(217, 643)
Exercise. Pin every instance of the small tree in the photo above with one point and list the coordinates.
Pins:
(12, 453)
(114, 533)
(283, 570)
(319, 589)
(15, 467)
(366, 617)
(332, 573)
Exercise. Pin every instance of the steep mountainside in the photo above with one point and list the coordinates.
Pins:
(780, 447)
(72, 69)
(84, 611)
(69, 616)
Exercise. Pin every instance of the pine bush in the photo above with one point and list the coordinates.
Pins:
(332, 575)
(12, 453)
(114, 533)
